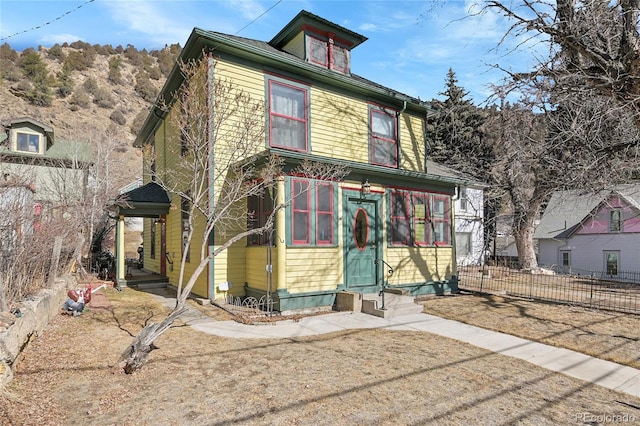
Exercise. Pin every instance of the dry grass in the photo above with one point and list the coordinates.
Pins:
(358, 377)
(612, 336)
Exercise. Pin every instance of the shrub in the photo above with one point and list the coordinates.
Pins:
(90, 85)
(115, 65)
(80, 98)
(118, 117)
(56, 52)
(154, 73)
(7, 53)
(145, 88)
(138, 121)
(102, 97)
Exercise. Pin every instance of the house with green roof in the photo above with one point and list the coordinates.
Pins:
(54, 170)
(392, 212)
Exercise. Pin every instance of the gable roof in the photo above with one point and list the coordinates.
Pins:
(567, 210)
(14, 122)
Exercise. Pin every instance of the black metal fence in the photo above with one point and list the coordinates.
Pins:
(583, 288)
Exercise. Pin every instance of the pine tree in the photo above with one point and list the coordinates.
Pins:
(454, 131)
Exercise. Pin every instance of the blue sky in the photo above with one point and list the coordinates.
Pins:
(410, 47)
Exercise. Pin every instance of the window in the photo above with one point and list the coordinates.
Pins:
(301, 212)
(312, 213)
(440, 220)
(287, 116)
(419, 218)
(399, 216)
(384, 144)
(615, 221)
(463, 200)
(611, 261)
(27, 142)
(259, 209)
(327, 53)
(463, 243)
(185, 207)
(565, 258)
(324, 213)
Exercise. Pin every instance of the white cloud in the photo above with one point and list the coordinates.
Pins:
(51, 39)
(155, 19)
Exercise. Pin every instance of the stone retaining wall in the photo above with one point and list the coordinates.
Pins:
(37, 311)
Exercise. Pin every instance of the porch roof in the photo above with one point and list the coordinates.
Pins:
(150, 200)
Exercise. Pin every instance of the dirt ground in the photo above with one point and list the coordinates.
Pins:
(69, 376)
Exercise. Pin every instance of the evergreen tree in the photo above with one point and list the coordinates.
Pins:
(454, 132)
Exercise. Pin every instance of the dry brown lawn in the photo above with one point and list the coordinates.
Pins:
(68, 376)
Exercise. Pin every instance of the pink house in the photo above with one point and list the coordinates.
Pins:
(585, 232)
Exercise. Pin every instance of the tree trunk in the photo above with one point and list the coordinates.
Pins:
(524, 243)
(137, 353)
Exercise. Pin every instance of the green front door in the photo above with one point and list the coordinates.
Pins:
(361, 243)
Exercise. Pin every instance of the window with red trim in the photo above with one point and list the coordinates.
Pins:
(287, 116)
(324, 213)
(399, 216)
(326, 53)
(301, 212)
(383, 137)
(440, 222)
(419, 218)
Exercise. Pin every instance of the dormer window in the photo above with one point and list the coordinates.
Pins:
(28, 142)
(325, 52)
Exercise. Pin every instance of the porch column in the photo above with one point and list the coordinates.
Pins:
(120, 261)
(281, 238)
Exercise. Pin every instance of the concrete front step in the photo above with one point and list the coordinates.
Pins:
(395, 305)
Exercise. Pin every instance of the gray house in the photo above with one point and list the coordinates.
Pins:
(592, 232)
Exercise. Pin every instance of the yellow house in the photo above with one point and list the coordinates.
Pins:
(392, 212)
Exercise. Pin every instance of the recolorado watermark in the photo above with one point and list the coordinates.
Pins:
(605, 418)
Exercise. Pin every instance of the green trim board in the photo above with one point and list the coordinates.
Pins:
(285, 301)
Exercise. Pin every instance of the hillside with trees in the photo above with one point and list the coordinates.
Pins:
(82, 90)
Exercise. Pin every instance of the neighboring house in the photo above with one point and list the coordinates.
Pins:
(56, 169)
(469, 226)
(18, 214)
(393, 206)
(592, 232)
(40, 177)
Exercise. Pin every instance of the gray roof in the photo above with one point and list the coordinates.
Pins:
(567, 209)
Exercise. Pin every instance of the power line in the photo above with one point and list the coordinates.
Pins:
(263, 13)
(48, 23)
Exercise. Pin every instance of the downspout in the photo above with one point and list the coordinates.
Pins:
(211, 164)
(398, 114)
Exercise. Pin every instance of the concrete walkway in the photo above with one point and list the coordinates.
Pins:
(574, 364)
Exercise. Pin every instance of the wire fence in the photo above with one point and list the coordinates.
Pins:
(590, 289)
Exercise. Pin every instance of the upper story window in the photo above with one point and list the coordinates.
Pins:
(383, 145)
(326, 53)
(288, 120)
(464, 200)
(27, 142)
(615, 221)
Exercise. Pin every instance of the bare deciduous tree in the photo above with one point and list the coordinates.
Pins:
(221, 138)
(594, 46)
